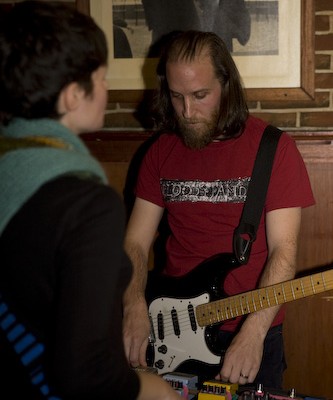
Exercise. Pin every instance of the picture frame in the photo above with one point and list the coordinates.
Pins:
(295, 62)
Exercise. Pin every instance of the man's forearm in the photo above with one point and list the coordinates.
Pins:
(137, 285)
(281, 266)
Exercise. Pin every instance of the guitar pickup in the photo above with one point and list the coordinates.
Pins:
(175, 322)
(191, 316)
(151, 337)
(160, 326)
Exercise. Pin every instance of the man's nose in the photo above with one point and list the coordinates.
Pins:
(187, 108)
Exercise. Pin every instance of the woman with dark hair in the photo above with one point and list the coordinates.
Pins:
(63, 269)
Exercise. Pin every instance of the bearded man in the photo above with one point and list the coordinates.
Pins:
(198, 172)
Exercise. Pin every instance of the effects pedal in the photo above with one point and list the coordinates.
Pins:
(217, 390)
(185, 384)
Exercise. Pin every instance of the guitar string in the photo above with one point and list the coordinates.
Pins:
(295, 289)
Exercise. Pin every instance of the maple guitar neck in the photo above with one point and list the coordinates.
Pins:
(259, 299)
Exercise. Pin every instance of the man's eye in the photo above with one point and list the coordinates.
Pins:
(200, 96)
(175, 95)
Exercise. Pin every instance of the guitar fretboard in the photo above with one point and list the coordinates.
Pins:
(259, 299)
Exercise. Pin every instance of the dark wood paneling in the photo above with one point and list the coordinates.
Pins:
(309, 322)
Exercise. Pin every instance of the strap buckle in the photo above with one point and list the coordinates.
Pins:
(244, 236)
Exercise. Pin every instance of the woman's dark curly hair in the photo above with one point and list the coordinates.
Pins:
(43, 48)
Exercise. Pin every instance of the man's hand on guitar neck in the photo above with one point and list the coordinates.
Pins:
(136, 330)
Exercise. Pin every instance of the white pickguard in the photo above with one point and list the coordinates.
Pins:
(189, 344)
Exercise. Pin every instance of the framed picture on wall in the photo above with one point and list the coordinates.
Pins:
(274, 52)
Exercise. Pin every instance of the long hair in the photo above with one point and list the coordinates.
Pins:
(43, 48)
(187, 46)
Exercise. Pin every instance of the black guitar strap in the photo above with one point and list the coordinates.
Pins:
(245, 233)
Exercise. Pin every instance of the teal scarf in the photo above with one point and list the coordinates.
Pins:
(24, 170)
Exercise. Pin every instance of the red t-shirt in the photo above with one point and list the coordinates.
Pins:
(204, 193)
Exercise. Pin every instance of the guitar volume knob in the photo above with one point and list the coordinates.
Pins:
(162, 349)
(159, 364)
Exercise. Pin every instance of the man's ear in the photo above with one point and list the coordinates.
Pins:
(70, 98)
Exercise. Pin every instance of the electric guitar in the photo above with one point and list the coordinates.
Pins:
(186, 313)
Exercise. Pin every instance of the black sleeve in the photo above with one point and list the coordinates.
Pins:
(63, 270)
(92, 273)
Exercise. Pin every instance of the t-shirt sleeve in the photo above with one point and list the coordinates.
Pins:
(289, 184)
(148, 183)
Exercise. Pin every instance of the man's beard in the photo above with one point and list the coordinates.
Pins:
(197, 135)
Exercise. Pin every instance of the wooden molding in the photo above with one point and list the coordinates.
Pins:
(120, 146)
(303, 93)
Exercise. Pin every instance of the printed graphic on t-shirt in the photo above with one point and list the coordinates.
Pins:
(218, 191)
